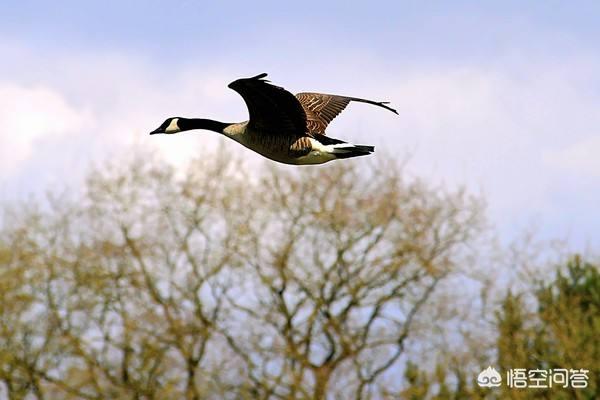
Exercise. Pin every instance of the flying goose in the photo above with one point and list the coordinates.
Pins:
(282, 127)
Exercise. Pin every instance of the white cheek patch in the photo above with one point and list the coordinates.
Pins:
(173, 126)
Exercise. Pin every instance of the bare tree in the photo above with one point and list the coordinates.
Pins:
(117, 295)
(341, 263)
(214, 283)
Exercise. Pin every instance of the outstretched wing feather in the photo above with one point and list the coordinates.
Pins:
(322, 108)
(272, 109)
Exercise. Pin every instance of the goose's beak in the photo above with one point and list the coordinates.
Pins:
(156, 131)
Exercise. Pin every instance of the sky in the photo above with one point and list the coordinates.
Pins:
(501, 97)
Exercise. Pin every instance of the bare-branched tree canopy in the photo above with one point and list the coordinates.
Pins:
(221, 283)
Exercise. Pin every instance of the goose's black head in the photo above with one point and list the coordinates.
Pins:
(178, 124)
(171, 125)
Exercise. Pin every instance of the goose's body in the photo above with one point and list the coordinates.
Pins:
(282, 127)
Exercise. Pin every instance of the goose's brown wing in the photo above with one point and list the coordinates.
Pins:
(321, 108)
(273, 110)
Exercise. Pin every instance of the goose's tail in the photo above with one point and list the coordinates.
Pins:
(340, 149)
(347, 150)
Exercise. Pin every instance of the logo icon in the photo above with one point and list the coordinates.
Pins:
(489, 377)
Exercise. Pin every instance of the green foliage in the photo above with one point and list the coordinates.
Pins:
(560, 330)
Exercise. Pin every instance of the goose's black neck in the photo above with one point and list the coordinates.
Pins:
(186, 124)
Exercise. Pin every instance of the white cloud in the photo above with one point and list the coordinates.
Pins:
(493, 129)
(89, 107)
(497, 130)
(582, 157)
(31, 114)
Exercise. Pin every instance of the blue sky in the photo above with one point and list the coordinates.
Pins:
(503, 97)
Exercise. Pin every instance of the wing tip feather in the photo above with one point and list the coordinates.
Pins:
(258, 77)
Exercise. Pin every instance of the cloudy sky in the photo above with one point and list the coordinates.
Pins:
(503, 98)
